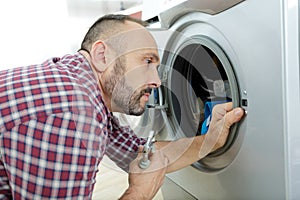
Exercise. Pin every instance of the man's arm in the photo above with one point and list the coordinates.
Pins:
(185, 151)
(175, 155)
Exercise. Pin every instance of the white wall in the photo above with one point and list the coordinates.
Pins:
(32, 31)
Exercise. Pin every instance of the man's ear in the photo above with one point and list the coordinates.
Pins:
(98, 55)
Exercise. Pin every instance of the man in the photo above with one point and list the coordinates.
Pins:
(56, 119)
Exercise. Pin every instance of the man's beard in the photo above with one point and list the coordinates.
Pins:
(125, 97)
(134, 104)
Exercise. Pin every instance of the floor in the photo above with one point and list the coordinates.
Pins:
(111, 182)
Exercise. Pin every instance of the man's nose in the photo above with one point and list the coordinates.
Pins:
(153, 78)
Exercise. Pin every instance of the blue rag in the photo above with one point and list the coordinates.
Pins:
(207, 114)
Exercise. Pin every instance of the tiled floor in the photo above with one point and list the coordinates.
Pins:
(112, 182)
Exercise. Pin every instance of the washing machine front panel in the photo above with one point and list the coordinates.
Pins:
(169, 16)
(253, 47)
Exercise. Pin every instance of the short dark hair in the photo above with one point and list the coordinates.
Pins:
(106, 26)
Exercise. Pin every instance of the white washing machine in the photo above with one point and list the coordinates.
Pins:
(246, 52)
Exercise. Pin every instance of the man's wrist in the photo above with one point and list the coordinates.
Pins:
(131, 194)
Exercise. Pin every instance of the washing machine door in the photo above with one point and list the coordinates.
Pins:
(197, 74)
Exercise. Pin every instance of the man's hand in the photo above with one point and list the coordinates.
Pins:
(145, 183)
(223, 116)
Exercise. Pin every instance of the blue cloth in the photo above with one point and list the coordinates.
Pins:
(207, 114)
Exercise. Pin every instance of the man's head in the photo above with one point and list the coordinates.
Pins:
(105, 27)
(124, 57)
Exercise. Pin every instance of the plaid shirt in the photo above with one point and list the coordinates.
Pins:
(55, 129)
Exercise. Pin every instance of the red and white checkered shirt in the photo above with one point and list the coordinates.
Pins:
(55, 129)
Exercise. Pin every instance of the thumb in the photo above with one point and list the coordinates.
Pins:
(233, 116)
(140, 149)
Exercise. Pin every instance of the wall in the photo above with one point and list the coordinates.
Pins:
(32, 31)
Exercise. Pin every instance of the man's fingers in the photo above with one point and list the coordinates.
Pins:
(141, 149)
(233, 116)
(228, 106)
(220, 110)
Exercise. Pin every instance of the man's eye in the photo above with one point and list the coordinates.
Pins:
(148, 60)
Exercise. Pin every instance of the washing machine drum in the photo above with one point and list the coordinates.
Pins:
(197, 83)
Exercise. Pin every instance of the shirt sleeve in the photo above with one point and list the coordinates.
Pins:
(52, 157)
(123, 144)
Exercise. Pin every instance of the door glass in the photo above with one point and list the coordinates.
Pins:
(201, 77)
(203, 84)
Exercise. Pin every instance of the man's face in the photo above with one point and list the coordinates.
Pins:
(132, 79)
(132, 72)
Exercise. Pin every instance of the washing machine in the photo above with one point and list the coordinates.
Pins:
(246, 52)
